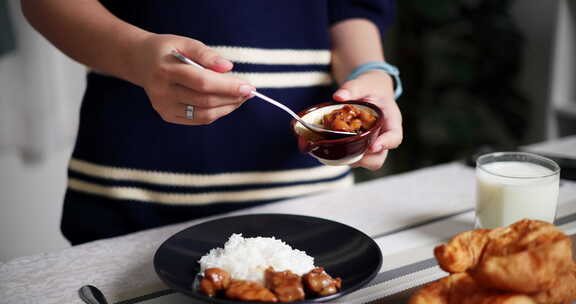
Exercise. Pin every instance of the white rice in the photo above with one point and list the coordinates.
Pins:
(247, 258)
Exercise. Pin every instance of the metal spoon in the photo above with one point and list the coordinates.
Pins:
(311, 126)
(91, 295)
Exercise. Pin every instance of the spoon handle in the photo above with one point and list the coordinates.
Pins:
(258, 94)
(92, 295)
(278, 104)
(186, 59)
(311, 126)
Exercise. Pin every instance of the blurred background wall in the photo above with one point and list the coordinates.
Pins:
(480, 74)
(40, 91)
(477, 76)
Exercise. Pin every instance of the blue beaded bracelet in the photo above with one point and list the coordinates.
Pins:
(379, 65)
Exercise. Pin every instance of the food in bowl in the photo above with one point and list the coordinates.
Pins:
(529, 261)
(265, 270)
(349, 119)
(334, 150)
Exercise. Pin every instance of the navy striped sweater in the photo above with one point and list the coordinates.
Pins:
(130, 170)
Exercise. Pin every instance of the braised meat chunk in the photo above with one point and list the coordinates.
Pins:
(215, 279)
(279, 286)
(249, 291)
(286, 285)
(349, 119)
(321, 283)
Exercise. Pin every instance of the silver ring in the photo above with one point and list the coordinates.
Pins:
(189, 112)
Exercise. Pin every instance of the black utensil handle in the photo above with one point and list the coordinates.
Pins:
(92, 295)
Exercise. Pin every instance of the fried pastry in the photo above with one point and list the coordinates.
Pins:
(460, 288)
(463, 251)
(528, 270)
(529, 261)
(563, 292)
(524, 257)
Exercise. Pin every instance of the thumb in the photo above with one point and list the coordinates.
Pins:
(207, 57)
(350, 90)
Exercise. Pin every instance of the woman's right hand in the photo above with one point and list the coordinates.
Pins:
(172, 85)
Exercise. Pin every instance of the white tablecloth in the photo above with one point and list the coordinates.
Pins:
(398, 211)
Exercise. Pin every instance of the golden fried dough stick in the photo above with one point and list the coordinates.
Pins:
(460, 288)
(524, 257)
(563, 292)
(526, 271)
(463, 251)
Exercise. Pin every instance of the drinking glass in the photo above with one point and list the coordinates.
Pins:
(511, 186)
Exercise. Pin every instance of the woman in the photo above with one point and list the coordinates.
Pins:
(161, 142)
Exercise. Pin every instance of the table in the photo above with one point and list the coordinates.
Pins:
(407, 214)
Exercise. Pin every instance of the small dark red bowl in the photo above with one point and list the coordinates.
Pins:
(336, 151)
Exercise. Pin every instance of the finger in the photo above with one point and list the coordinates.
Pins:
(188, 96)
(205, 81)
(201, 116)
(392, 132)
(205, 56)
(387, 141)
(350, 90)
(373, 85)
(372, 161)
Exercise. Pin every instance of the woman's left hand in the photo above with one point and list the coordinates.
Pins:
(376, 87)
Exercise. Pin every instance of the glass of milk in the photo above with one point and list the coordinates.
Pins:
(511, 186)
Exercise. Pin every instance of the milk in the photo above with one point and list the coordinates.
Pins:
(508, 191)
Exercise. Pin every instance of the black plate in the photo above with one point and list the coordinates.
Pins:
(343, 251)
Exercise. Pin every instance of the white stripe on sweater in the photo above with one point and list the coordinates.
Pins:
(274, 56)
(145, 195)
(286, 80)
(205, 180)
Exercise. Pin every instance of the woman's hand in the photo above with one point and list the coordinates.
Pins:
(172, 85)
(376, 87)
(90, 34)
